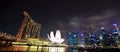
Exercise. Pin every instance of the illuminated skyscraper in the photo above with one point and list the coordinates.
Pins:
(75, 38)
(82, 39)
(72, 38)
(101, 33)
(116, 34)
(92, 39)
(29, 28)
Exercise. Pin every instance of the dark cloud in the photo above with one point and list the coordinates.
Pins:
(104, 18)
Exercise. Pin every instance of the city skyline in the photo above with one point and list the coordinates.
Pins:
(64, 15)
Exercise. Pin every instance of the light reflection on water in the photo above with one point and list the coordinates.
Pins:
(56, 49)
(39, 48)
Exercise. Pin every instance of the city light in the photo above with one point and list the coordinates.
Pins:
(55, 38)
(56, 49)
(27, 39)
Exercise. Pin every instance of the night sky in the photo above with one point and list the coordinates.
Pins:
(67, 16)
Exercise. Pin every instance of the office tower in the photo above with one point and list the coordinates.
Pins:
(72, 38)
(115, 33)
(92, 39)
(101, 32)
(82, 39)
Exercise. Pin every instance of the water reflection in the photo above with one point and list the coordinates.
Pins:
(32, 48)
(40, 49)
(75, 49)
(71, 49)
(56, 49)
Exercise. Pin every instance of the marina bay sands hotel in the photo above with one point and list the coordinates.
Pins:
(29, 28)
